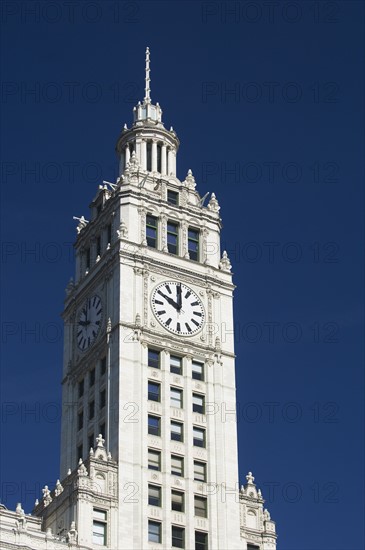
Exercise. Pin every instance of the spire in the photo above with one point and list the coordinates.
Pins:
(147, 98)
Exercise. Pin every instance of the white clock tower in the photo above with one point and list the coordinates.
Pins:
(149, 365)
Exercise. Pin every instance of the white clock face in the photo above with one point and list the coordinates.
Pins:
(178, 308)
(89, 322)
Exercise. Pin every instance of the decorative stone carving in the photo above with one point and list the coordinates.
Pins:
(190, 180)
(225, 264)
(47, 499)
(82, 223)
(72, 535)
(21, 521)
(100, 441)
(213, 204)
(81, 470)
(250, 478)
(122, 232)
(70, 287)
(58, 489)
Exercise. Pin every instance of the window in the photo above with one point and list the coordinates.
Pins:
(99, 527)
(81, 388)
(149, 156)
(172, 197)
(154, 427)
(154, 495)
(102, 429)
(154, 391)
(177, 501)
(90, 440)
(91, 378)
(200, 506)
(154, 531)
(172, 237)
(151, 231)
(177, 465)
(198, 437)
(98, 246)
(103, 366)
(154, 460)
(80, 420)
(177, 537)
(102, 399)
(193, 244)
(197, 370)
(198, 403)
(176, 398)
(109, 233)
(159, 146)
(91, 410)
(175, 364)
(177, 431)
(201, 540)
(153, 358)
(200, 471)
(252, 547)
(79, 452)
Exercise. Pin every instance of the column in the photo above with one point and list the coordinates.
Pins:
(143, 157)
(163, 160)
(169, 162)
(173, 162)
(127, 154)
(154, 156)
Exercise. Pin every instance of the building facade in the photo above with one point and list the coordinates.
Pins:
(149, 436)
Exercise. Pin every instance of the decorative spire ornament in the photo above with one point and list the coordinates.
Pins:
(147, 97)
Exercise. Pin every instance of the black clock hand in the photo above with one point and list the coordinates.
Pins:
(178, 296)
(169, 300)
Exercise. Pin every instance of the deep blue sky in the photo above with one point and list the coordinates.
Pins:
(294, 134)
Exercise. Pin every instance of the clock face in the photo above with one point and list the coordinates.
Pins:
(178, 308)
(89, 322)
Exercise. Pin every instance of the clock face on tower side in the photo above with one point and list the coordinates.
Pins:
(178, 308)
(89, 322)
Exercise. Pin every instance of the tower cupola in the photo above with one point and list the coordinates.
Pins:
(153, 145)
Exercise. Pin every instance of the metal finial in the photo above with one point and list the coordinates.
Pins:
(147, 97)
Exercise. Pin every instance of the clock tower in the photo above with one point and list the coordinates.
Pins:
(149, 436)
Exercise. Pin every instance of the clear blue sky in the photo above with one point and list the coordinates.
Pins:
(267, 100)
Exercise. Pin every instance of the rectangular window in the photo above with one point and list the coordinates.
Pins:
(201, 540)
(177, 537)
(177, 431)
(151, 231)
(200, 471)
(91, 410)
(81, 388)
(90, 440)
(91, 378)
(176, 398)
(154, 495)
(153, 358)
(98, 246)
(198, 437)
(172, 237)
(154, 391)
(154, 425)
(200, 506)
(252, 547)
(159, 157)
(80, 420)
(177, 501)
(175, 364)
(154, 531)
(172, 197)
(79, 452)
(102, 429)
(198, 403)
(149, 156)
(193, 244)
(177, 465)
(109, 233)
(99, 527)
(103, 366)
(197, 370)
(154, 460)
(102, 399)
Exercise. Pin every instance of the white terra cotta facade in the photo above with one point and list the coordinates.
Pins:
(152, 370)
